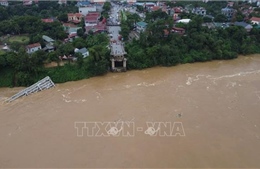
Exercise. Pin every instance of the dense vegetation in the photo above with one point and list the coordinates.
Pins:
(21, 69)
(199, 44)
(154, 47)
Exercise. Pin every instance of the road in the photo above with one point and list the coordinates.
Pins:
(117, 47)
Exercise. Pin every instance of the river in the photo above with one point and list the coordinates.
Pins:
(217, 104)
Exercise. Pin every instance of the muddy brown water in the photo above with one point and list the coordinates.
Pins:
(218, 104)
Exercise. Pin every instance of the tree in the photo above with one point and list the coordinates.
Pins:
(63, 17)
(220, 18)
(80, 60)
(80, 32)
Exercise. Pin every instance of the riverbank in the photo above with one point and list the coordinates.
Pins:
(11, 91)
(65, 73)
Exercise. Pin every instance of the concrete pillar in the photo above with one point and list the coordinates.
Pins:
(112, 64)
(124, 63)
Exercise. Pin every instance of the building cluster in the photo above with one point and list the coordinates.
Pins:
(175, 12)
(89, 14)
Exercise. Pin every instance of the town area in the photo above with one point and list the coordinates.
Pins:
(69, 40)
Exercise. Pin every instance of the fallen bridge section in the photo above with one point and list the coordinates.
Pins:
(43, 84)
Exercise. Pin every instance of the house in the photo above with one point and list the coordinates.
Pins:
(27, 2)
(99, 28)
(131, 1)
(49, 43)
(228, 12)
(91, 19)
(33, 48)
(97, 1)
(4, 2)
(83, 51)
(245, 25)
(47, 39)
(230, 4)
(71, 37)
(176, 12)
(70, 28)
(180, 31)
(83, 3)
(141, 26)
(62, 2)
(255, 20)
(99, 7)
(199, 11)
(48, 20)
(184, 21)
(75, 17)
(86, 9)
(154, 8)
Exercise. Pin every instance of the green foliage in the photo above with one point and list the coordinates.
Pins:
(220, 18)
(198, 45)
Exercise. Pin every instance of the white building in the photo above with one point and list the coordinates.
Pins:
(184, 21)
(86, 9)
(4, 2)
(83, 51)
(199, 11)
(62, 2)
(33, 47)
(131, 1)
(255, 20)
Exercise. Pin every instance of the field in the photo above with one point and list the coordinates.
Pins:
(19, 38)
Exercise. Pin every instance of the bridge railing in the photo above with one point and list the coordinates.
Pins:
(43, 84)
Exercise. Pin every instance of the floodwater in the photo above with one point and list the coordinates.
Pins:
(217, 103)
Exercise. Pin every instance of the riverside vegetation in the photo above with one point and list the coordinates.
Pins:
(153, 48)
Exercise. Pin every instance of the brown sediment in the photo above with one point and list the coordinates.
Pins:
(217, 102)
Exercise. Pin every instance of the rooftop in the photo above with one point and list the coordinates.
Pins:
(47, 38)
(33, 45)
(255, 19)
(142, 24)
(75, 14)
(48, 20)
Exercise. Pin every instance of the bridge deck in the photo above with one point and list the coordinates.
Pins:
(43, 84)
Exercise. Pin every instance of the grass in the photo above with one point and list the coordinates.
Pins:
(1, 52)
(19, 38)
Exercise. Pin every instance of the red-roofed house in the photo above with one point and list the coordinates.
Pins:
(255, 20)
(96, 28)
(33, 47)
(180, 31)
(91, 19)
(75, 17)
(155, 8)
(71, 37)
(48, 20)
(27, 2)
(177, 12)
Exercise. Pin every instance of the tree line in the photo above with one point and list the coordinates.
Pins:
(199, 44)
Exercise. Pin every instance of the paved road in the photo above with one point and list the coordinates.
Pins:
(117, 47)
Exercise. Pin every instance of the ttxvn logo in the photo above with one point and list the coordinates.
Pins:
(128, 129)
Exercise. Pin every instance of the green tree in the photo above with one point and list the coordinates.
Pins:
(220, 18)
